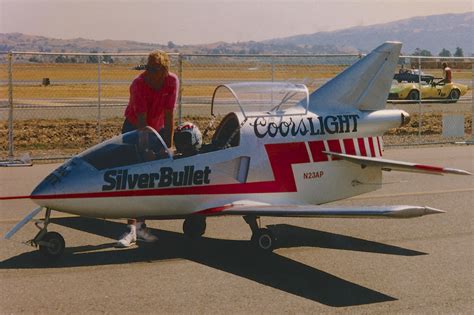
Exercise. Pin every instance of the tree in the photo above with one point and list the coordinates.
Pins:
(107, 58)
(61, 59)
(422, 52)
(34, 59)
(171, 45)
(458, 52)
(444, 53)
(92, 58)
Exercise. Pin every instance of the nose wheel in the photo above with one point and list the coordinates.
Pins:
(50, 244)
(262, 238)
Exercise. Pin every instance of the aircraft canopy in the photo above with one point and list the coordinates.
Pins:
(134, 147)
(253, 98)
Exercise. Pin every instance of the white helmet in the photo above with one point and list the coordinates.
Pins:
(187, 137)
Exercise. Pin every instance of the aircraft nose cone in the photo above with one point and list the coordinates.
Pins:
(53, 183)
(46, 186)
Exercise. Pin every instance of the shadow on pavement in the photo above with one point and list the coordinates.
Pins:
(235, 257)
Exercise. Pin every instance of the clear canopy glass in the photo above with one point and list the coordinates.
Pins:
(134, 147)
(253, 98)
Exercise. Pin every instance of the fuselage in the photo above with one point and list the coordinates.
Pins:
(270, 159)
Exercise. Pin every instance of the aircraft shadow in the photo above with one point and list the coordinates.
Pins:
(293, 236)
(235, 257)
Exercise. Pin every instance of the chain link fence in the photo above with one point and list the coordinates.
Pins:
(55, 105)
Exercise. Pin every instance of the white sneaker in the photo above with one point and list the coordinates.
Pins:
(128, 239)
(144, 234)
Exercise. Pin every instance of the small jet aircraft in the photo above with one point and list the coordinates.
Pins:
(279, 151)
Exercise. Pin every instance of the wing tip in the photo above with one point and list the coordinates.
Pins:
(430, 210)
(457, 171)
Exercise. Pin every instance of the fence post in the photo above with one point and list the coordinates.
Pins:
(420, 121)
(99, 91)
(472, 105)
(10, 104)
(273, 68)
(180, 79)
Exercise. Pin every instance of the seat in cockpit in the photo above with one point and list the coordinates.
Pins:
(227, 133)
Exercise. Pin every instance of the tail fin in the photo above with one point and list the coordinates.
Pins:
(364, 85)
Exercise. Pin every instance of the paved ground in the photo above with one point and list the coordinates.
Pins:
(422, 265)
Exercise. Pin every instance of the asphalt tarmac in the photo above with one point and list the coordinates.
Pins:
(421, 265)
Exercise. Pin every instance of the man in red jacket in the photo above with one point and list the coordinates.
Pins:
(152, 101)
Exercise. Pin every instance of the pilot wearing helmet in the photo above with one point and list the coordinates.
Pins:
(187, 139)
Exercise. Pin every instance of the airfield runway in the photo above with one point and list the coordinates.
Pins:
(422, 265)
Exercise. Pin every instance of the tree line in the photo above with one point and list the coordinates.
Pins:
(443, 53)
(109, 59)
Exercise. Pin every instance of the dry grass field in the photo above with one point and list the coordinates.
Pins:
(80, 80)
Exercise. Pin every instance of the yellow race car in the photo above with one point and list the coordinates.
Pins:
(450, 92)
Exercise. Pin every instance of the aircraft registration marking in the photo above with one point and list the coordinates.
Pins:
(313, 175)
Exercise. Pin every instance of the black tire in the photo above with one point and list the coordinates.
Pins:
(454, 94)
(194, 227)
(56, 245)
(414, 95)
(263, 240)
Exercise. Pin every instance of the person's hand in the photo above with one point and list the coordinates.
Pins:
(165, 134)
(142, 139)
(149, 155)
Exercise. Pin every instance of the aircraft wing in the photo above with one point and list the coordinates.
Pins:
(391, 165)
(246, 207)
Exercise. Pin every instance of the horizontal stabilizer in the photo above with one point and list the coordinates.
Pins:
(391, 165)
(364, 85)
(397, 212)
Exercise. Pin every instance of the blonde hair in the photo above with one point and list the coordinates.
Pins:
(160, 57)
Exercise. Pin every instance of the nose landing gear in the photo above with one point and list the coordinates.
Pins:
(51, 244)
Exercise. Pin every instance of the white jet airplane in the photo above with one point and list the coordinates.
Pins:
(278, 152)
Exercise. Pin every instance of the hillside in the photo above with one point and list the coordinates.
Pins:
(432, 33)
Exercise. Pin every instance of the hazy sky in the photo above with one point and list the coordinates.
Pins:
(206, 21)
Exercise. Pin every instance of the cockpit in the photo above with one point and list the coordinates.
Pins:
(133, 147)
(234, 102)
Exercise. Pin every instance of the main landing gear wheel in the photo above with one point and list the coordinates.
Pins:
(194, 227)
(262, 239)
(52, 245)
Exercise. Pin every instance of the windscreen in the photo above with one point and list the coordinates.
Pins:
(138, 146)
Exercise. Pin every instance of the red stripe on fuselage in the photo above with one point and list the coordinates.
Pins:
(349, 146)
(335, 146)
(281, 157)
(371, 145)
(363, 151)
(317, 148)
